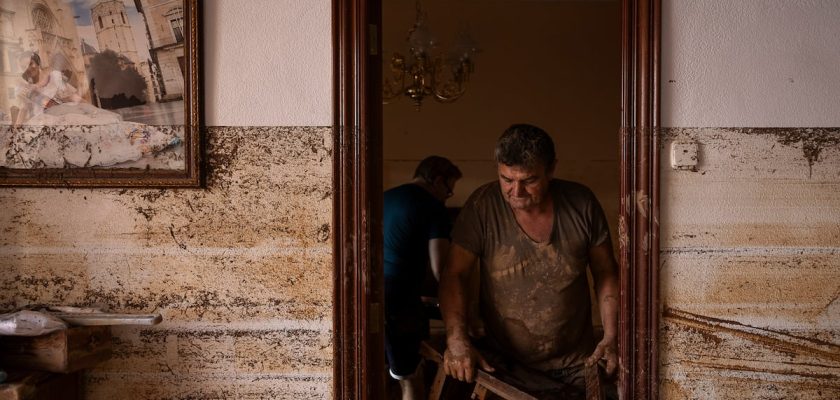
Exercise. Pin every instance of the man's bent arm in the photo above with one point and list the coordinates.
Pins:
(460, 358)
(453, 291)
(605, 274)
(438, 252)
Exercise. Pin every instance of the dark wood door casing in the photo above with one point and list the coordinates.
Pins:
(639, 203)
(358, 365)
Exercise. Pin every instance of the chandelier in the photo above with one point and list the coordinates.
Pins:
(426, 72)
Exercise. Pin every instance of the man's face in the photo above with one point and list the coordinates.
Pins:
(524, 188)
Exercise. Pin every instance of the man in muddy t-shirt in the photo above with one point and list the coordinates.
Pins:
(534, 237)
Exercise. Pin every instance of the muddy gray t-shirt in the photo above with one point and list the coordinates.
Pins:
(534, 296)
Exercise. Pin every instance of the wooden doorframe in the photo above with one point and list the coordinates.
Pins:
(358, 364)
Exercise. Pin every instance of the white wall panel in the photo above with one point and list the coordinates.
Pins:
(754, 63)
(268, 62)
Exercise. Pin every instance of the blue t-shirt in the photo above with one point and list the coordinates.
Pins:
(411, 217)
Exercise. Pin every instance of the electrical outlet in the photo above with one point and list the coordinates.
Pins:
(684, 155)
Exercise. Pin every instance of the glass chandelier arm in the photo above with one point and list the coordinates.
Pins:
(393, 84)
(449, 89)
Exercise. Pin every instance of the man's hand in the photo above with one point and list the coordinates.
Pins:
(460, 359)
(606, 350)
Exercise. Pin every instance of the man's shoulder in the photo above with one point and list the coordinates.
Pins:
(412, 196)
(399, 195)
(404, 190)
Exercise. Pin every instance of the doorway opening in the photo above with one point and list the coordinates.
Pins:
(359, 165)
(553, 64)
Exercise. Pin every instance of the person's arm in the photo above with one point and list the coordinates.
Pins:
(438, 251)
(460, 357)
(605, 274)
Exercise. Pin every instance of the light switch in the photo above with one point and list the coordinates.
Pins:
(684, 155)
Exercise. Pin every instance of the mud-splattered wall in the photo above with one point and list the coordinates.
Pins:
(240, 271)
(750, 261)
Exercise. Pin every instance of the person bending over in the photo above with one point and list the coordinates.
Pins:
(534, 237)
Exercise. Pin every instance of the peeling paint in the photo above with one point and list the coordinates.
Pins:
(642, 203)
(623, 236)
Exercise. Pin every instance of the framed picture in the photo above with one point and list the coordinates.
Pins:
(99, 93)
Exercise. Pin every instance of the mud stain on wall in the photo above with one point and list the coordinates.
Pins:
(750, 279)
(714, 358)
(812, 140)
(746, 146)
(240, 270)
(778, 341)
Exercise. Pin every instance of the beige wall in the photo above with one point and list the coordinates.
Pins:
(750, 239)
(241, 270)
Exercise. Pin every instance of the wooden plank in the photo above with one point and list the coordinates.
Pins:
(500, 388)
(62, 351)
(35, 385)
(107, 319)
(437, 383)
(479, 392)
(594, 391)
(484, 381)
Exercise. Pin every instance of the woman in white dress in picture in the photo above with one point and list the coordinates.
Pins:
(55, 129)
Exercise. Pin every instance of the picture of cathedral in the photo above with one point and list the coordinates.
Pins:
(165, 26)
(92, 83)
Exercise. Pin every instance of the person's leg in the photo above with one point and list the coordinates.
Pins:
(404, 329)
(413, 386)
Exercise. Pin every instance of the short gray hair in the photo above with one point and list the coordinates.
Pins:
(526, 146)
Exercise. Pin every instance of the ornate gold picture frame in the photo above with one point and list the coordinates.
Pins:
(100, 93)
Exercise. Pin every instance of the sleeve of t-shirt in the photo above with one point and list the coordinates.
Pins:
(600, 229)
(468, 230)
